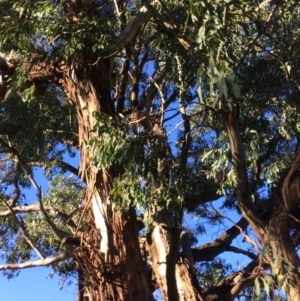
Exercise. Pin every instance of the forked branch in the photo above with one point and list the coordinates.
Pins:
(233, 284)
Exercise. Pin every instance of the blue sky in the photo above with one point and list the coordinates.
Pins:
(33, 285)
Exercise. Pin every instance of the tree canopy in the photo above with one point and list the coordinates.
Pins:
(185, 116)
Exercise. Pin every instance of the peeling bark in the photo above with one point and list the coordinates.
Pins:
(114, 277)
(187, 284)
(109, 254)
(163, 254)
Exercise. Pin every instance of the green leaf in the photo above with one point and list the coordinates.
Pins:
(257, 286)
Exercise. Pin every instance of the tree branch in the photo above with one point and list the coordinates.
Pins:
(24, 232)
(36, 208)
(69, 167)
(212, 249)
(9, 204)
(171, 27)
(61, 164)
(229, 287)
(241, 251)
(38, 263)
(19, 159)
(231, 121)
(134, 25)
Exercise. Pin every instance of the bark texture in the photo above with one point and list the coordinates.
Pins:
(115, 269)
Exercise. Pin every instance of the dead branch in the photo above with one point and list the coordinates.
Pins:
(39, 263)
(36, 208)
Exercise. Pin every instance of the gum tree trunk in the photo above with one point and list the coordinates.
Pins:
(110, 257)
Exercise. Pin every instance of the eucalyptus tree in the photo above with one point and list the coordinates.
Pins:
(115, 81)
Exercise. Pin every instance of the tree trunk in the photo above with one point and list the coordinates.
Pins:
(110, 257)
(163, 253)
(187, 283)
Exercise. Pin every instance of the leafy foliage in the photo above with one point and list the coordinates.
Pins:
(140, 185)
(169, 93)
